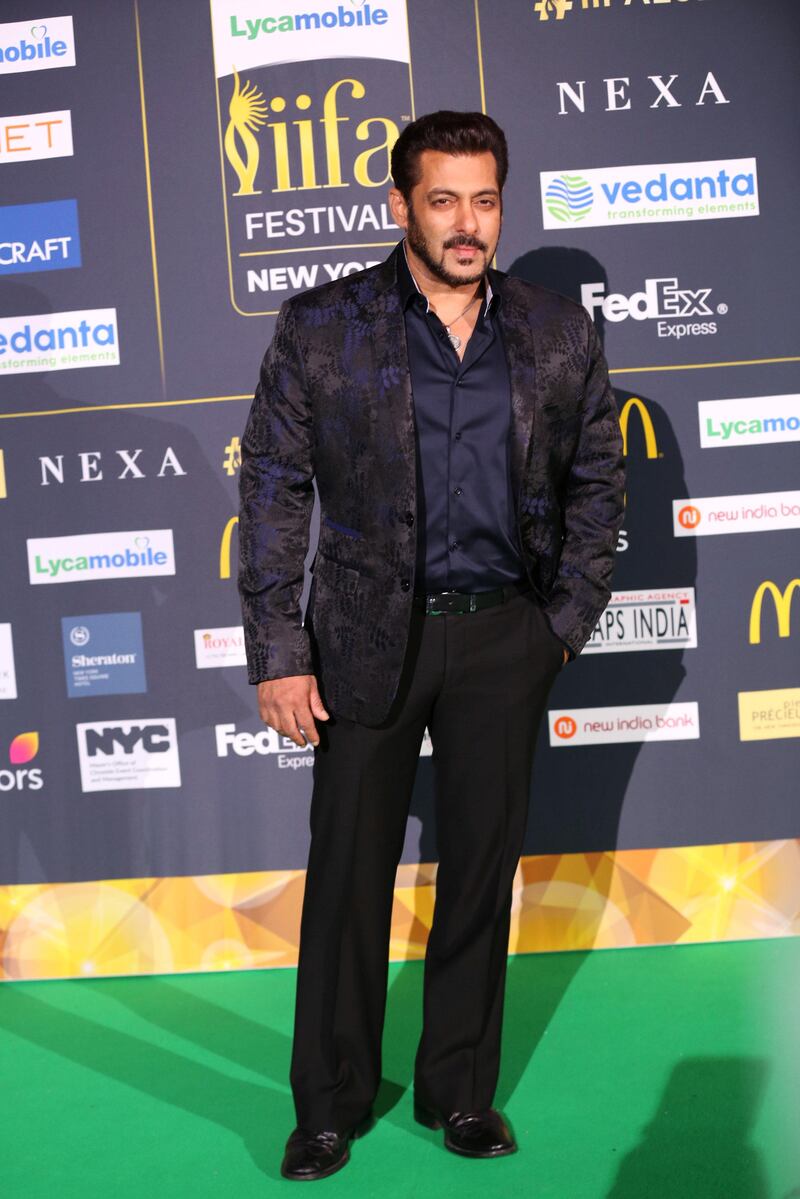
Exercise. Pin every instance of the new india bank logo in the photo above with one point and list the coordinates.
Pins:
(646, 194)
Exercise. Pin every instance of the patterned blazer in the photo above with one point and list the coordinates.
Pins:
(334, 404)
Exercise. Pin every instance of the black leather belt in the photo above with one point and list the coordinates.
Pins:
(458, 603)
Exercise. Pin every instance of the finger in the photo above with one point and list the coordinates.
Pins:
(306, 723)
(316, 704)
(290, 728)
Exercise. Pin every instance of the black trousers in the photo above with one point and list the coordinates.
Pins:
(479, 682)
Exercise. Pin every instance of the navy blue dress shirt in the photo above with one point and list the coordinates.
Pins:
(467, 533)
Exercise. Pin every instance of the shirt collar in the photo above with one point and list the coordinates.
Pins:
(409, 288)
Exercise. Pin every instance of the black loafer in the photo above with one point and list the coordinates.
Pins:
(472, 1134)
(312, 1155)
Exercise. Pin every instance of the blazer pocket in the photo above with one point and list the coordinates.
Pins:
(343, 580)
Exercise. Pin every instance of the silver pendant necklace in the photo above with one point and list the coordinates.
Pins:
(454, 339)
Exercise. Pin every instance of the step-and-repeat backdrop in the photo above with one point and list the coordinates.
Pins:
(170, 174)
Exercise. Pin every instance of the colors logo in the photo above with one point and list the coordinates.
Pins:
(675, 191)
(34, 47)
(569, 198)
(783, 608)
(23, 749)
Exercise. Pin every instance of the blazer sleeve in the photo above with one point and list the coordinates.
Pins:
(276, 500)
(594, 506)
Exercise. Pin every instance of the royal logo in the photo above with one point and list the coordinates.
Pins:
(782, 601)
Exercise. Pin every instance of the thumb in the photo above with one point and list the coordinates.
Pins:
(316, 704)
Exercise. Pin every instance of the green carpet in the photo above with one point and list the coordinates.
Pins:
(628, 1074)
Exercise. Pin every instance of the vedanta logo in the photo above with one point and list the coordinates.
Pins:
(783, 608)
(569, 198)
(650, 444)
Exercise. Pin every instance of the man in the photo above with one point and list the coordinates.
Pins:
(464, 441)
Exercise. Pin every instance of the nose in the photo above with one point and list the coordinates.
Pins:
(466, 217)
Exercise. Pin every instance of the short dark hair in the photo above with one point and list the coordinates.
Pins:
(450, 133)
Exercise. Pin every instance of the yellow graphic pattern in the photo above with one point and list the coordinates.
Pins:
(244, 921)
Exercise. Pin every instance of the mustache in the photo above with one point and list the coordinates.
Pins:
(466, 240)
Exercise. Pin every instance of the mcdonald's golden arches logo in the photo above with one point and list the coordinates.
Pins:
(783, 608)
(225, 548)
(650, 443)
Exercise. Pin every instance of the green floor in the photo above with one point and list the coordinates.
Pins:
(628, 1074)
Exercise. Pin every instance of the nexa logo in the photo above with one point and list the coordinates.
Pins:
(783, 608)
(151, 738)
(23, 749)
(615, 92)
(633, 403)
(90, 466)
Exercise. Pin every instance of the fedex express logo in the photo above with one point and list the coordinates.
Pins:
(661, 300)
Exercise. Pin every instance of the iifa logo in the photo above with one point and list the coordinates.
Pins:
(783, 608)
(678, 191)
(33, 46)
(23, 749)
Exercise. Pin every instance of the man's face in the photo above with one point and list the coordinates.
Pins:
(453, 218)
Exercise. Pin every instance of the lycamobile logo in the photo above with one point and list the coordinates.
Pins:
(678, 191)
(339, 18)
(101, 556)
(753, 421)
(569, 198)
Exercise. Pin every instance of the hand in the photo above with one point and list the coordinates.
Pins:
(291, 706)
(566, 657)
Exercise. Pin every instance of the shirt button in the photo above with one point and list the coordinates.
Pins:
(404, 584)
(457, 491)
(409, 518)
(453, 546)
(457, 437)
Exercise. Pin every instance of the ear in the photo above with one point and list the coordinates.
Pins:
(399, 208)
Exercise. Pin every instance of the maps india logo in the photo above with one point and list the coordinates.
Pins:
(36, 45)
(39, 237)
(678, 191)
(86, 556)
(783, 608)
(23, 749)
(59, 341)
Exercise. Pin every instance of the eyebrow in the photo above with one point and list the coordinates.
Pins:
(448, 191)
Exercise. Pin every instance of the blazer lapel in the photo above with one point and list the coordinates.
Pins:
(387, 331)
